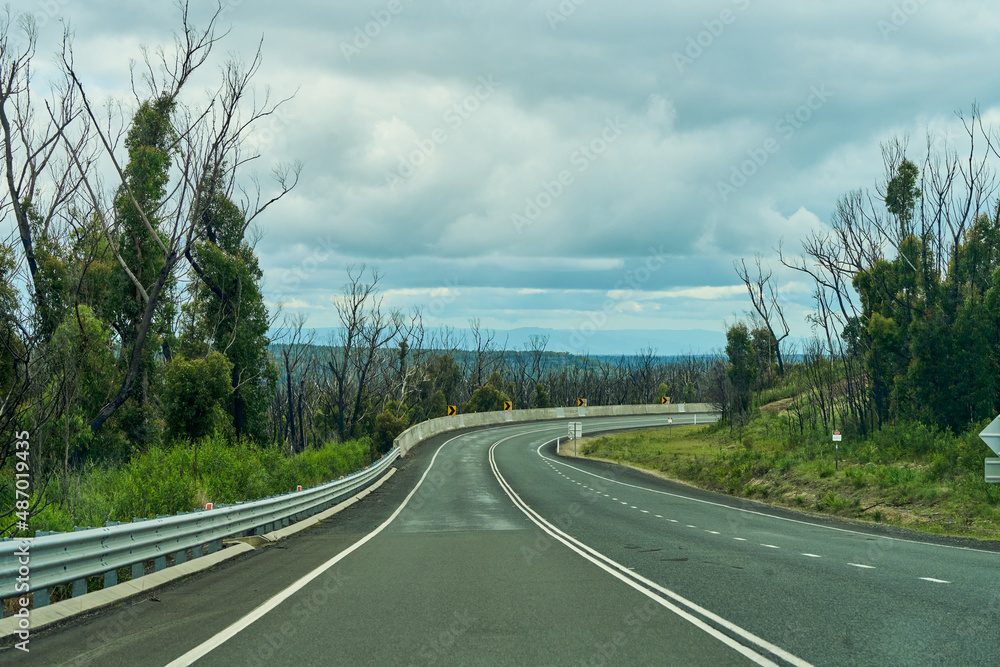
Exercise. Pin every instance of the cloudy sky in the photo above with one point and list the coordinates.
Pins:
(570, 164)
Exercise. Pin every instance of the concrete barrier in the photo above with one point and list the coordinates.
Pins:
(409, 438)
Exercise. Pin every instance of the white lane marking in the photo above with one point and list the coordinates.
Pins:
(634, 580)
(633, 507)
(690, 526)
(812, 555)
(770, 546)
(623, 502)
(659, 516)
(673, 520)
(228, 633)
(936, 581)
(713, 532)
(866, 567)
(644, 511)
(763, 514)
(739, 539)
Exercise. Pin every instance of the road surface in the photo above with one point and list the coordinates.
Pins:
(486, 548)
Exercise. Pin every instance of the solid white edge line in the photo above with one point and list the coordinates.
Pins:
(763, 514)
(633, 579)
(225, 635)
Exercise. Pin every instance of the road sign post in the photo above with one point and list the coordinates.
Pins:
(575, 432)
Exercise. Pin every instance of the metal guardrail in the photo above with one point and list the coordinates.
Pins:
(62, 558)
(418, 432)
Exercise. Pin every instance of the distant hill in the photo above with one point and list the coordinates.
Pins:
(595, 343)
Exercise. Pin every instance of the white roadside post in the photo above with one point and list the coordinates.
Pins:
(836, 448)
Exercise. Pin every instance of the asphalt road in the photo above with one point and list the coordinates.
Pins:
(486, 548)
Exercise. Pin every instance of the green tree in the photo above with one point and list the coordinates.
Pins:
(150, 142)
(541, 399)
(901, 196)
(742, 370)
(194, 394)
(227, 313)
(388, 425)
(83, 368)
(485, 399)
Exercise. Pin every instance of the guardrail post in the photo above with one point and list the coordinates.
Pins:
(40, 598)
(180, 557)
(79, 587)
(160, 564)
(110, 578)
(138, 569)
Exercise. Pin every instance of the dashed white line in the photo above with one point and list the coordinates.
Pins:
(812, 555)
(739, 539)
(659, 516)
(865, 567)
(936, 581)
(644, 511)
(690, 526)
(770, 546)
(713, 532)
(673, 520)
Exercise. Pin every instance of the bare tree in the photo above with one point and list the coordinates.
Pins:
(764, 298)
(365, 329)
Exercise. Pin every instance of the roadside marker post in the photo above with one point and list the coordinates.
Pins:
(836, 450)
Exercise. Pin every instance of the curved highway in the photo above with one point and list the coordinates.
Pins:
(486, 548)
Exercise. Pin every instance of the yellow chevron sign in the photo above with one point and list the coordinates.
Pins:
(452, 410)
(581, 402)
(507, 406)
(665, 400)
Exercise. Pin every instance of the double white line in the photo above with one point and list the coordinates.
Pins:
(651, 589)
